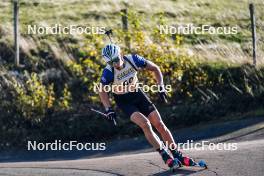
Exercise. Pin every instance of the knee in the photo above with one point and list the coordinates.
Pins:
(146, 125)
(161, 127)
(141, 121)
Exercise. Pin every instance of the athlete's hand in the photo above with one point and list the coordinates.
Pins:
(110, 114)
(163, 95)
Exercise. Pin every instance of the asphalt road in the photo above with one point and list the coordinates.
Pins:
(248, 159)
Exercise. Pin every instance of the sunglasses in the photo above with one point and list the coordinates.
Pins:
(114, 60)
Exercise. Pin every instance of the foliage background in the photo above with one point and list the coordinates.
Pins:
(49, 98)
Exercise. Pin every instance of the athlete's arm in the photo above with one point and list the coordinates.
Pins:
(106, 80)
(159, 78)
(104, 99)
(156, 70)
(110, 113)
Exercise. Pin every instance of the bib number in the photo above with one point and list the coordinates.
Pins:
(127, 82)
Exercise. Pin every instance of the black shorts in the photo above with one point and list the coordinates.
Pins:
(134, 102)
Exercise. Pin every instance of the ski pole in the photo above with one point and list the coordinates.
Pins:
(108, 33)
(103, 114)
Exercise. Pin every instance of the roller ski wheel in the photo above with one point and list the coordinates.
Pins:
(201, 164)
(174, 164)
(187, 161)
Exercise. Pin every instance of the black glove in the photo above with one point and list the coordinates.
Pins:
(110, 114)
(163, 95)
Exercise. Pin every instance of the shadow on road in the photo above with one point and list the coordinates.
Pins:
(135, 145)
(99, 172)
(181, 171)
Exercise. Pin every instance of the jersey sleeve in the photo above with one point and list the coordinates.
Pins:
(107, 77)
(139, 61)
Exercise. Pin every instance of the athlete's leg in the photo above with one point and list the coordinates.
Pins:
(139, 119)
(156, 121)
(145, 125)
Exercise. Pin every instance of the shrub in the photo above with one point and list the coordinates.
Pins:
(33, 98)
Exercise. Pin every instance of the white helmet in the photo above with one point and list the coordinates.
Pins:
(110, 51)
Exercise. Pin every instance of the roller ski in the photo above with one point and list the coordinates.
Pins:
(187, 161)
(173, 164)
(201, 164)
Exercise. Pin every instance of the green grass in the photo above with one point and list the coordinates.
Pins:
(106, 13)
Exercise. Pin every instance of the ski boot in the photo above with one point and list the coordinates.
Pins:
(187, 161)
(168, 160)
(173, 164)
